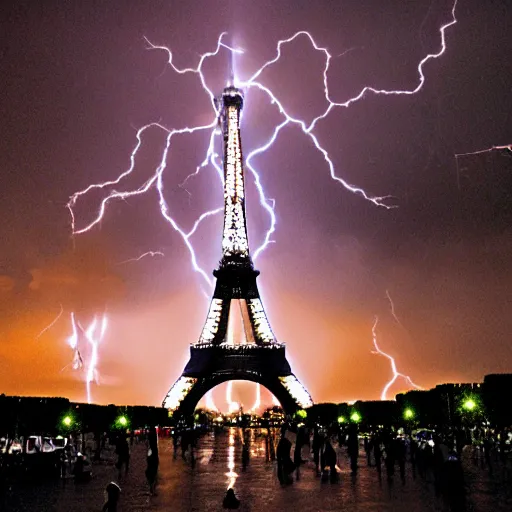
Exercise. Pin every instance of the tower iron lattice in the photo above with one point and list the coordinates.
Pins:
(215, 358)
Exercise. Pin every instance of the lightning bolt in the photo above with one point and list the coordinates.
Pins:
(506, 147)
(148, 253)
(396, 373)
(257, 402)
(94, 338)
(393, 312)
(211, 157)
(52, 323)
(94, 334)
(232, 405)
(72, 340)
(210, 404)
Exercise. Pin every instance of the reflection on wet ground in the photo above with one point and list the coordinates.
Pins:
(245, 461)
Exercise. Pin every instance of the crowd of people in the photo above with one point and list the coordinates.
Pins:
(74, 461)
(432, 455)
(436, 456)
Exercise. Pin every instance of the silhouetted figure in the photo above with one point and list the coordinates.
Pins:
(318, 442)
(81, 471)
(503, 452)
(353, 448)
(285, 464)
(452, 483)
(175, 443)
(400, 455)
(389, 461)
(297, 454)
(271, 445)
(460, 441)
(113, 492)
(413, 451)
(62, 463)
(377, 452)
(487, 446)
(368, 450)
(328, 460)
(152, 460)
(123, 455)
(245, 455)
(184, 442)
(231, 502)
(439, 457)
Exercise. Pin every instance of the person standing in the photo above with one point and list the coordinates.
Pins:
(152, 460)
(353, 448)
(377, 452)
(368, 450)
(400, 454)
(389, 449)
(328, 460)
(317, 445)
(285, 464)
(123, 454)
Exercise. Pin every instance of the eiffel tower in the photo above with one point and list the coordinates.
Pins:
(215, 358)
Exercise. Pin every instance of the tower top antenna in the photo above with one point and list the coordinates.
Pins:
(231, 69)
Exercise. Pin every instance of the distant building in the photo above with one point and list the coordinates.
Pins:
(496, 392)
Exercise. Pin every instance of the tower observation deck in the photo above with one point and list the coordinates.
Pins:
(215, 357)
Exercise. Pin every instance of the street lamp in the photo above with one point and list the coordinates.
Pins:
(469, 405)
(408, 414)
(355, 417)
(67, 421)
(122, 421)
(341, 419)
(301, 414)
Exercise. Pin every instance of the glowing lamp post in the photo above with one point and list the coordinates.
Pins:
(408, 414)
(469, 405)
(355, 417)
(301, 414)
(122, 421)
(470, 409)
(67, 421)
(341, 419)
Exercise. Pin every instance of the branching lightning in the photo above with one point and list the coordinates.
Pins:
(94, 338)
(212, 158)
(396, 373)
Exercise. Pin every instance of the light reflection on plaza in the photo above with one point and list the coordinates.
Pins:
(231, 474)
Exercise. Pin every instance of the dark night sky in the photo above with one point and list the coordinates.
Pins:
(77, 80)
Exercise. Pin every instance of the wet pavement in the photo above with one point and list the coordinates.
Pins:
(219, 462)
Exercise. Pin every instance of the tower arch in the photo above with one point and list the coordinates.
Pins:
(203, 385)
